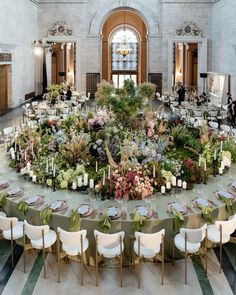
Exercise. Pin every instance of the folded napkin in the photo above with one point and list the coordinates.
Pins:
(83, 209)
(178, 207)
(14, 191)
(202, 202)
(142, 211)
(112, 212)
(56, 205)
(32, 200)
(225, 195)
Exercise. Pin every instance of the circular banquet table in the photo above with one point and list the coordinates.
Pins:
(158, 203)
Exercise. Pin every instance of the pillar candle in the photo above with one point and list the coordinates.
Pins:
(220, 171)
(74, 185)
(34, 178)
(179, 183)
(96, 169)
(199, 162)
(154, 171)
(85, 179)
(184, 185)
(168, 185)
(173, 180)
(205, 165)
(215, 155)
(221, 146)
(91, 183)
(31, 173)
(163, 189)
(79, 181)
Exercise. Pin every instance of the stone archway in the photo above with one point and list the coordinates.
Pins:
(135, 22)
(105, 11)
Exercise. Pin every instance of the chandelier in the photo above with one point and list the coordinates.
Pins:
(123, 48)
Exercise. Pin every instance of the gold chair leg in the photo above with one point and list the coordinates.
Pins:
(139, 264)
(82, 261)
(186, 265)
(88, 257)
(12, 253)
(121, 262)
(163, 261)
(173, 252)
(24, 253)
(96, 262)
(220, 248)
(58, 270)
(44, 265)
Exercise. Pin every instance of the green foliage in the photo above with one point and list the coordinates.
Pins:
(3, 200)
(178, 220)
(74, 220)
(45, 215)
(230, 206)
(139, 222)
(22, 207)
(206, 213)
(147, 90)
(105, 223)
(229, 146)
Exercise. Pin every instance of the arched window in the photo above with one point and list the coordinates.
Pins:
(124, 37)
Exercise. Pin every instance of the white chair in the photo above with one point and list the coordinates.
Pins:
(12, 230)
(51, 112)
(149, 246)
(189, 242)
(219, 233)
(74, 244)
(213, 125)
(40, 238)
(109, 246)
(225, 128)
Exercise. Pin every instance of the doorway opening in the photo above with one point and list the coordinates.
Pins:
(185, 69)
(124, 27)
(63, 63)
(4, 88)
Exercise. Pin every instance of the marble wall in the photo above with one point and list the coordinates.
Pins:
(224, 40)
(18, 30)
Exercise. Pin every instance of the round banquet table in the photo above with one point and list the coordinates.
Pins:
(158, 203)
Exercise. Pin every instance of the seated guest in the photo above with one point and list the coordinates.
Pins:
(68, 93)
(181, 93)
(232, 112)
(229, 98)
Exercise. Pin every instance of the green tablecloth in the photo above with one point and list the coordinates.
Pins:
(158, 204)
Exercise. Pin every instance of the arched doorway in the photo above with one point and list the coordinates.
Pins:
(114, 67)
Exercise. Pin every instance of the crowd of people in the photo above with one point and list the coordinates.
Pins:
(203, 98)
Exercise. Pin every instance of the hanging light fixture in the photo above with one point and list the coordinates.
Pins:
(124, 49)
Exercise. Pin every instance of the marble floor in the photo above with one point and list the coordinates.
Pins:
(15, 281)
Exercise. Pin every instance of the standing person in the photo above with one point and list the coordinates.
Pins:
(68, 93)
(233, 113)
(181, 93)
(229, 98)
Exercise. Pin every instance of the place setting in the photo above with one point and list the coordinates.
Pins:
(112, 212)
(143, 211)
(202, 202)
(85, 210)
(58, 206)
(34, 201)
(177, 207)
(4, 184)
(15, 192)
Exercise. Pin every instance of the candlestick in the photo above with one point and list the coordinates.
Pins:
(104, 178)
(25, 155)
(154, 171)
(199, 162)
(205, 165)
(54, 171)
(109, 172)
(221, 146)
(52, 163)
(96, 167)
(47, 166)
(215, 155)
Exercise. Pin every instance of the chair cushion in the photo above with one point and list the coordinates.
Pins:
(75, 250)
(145, 252)
(17, 231)
(49, 240)
(180, 244)
(214, 235)
(110, 252)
